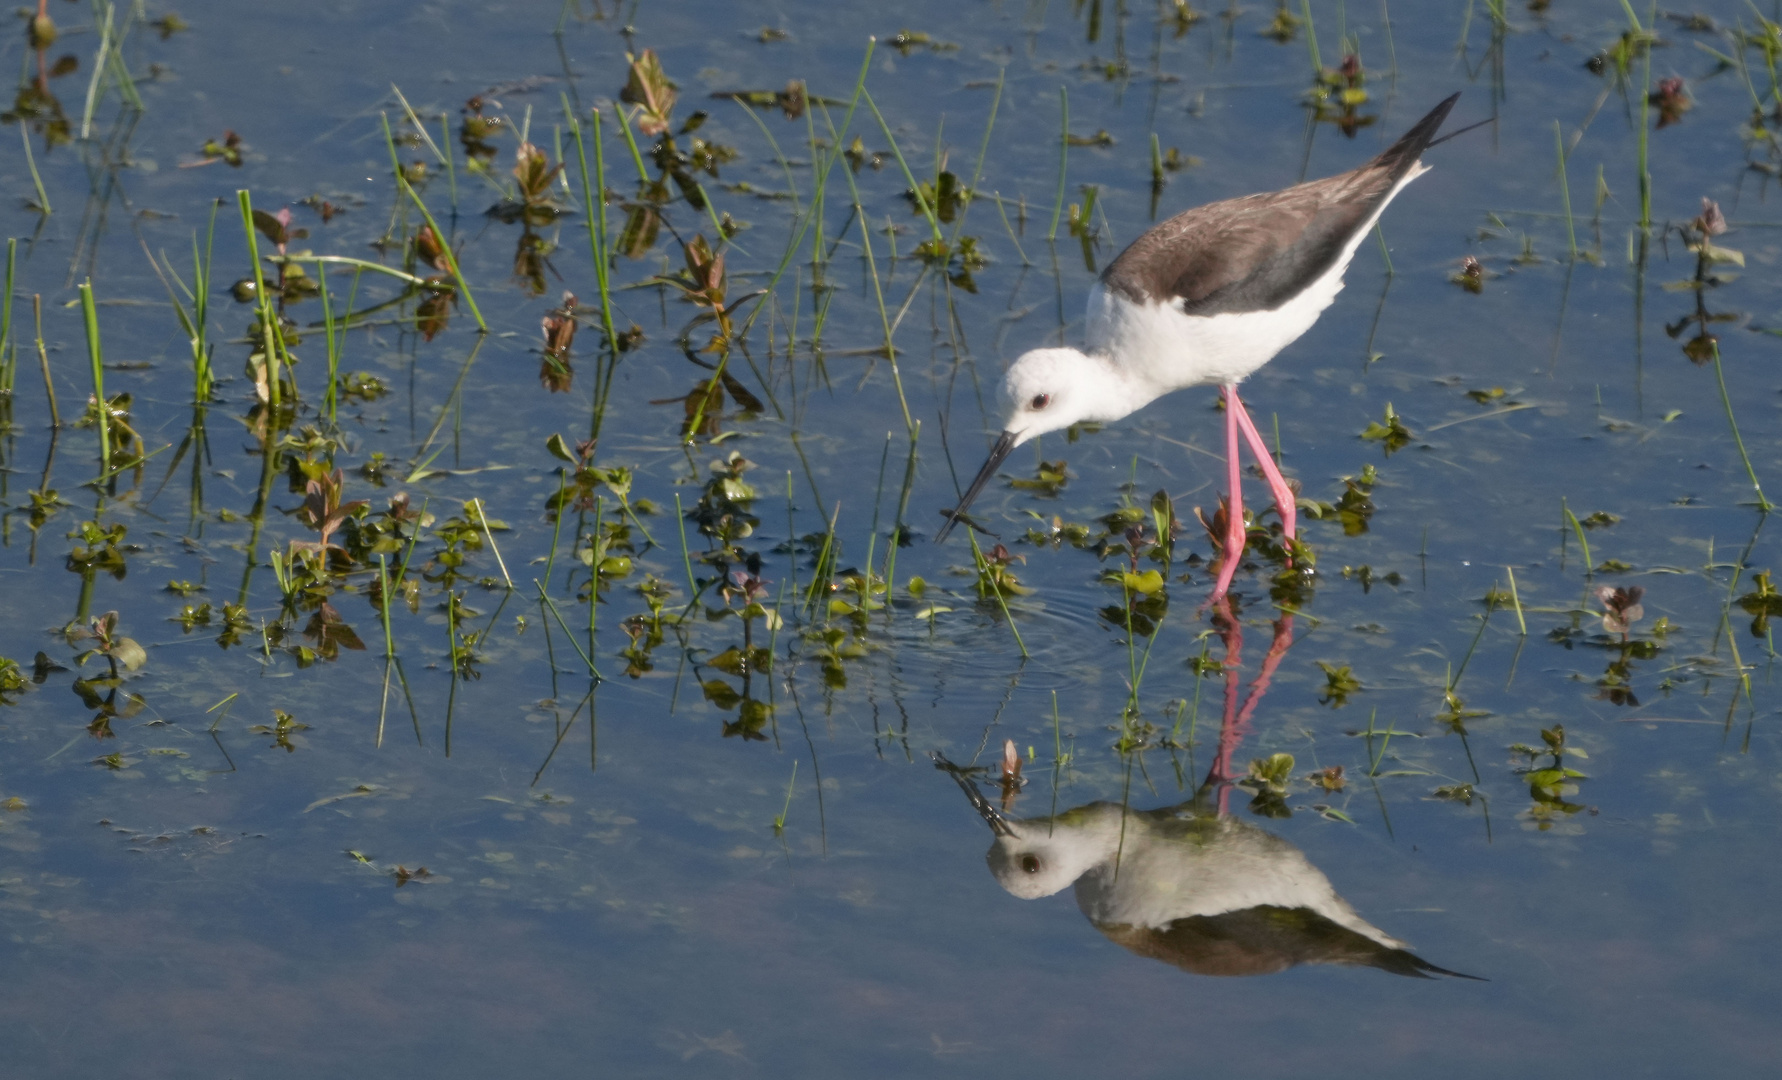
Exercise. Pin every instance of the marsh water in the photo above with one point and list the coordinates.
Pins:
(251, 828)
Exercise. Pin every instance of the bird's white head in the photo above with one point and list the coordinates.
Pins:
(1049, 390)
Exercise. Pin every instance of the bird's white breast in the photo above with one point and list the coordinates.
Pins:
(1160, 348)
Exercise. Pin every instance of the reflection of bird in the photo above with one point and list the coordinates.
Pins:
(1207, 297)
(1206, 892)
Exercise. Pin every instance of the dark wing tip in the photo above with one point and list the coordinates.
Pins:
(1403, 154)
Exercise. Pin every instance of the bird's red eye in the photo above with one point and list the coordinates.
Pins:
(1030, 863)
(1040, 401)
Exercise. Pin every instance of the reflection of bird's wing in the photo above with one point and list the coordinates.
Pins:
(1173, 867)
(1262, 940)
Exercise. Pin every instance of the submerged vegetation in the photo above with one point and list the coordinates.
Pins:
(643, 169)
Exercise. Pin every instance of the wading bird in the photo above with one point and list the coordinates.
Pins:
(1206, 298)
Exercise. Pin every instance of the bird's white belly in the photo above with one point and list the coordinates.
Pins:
(1167, 350)
(1162, 349)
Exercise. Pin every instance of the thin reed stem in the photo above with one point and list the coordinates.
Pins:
(413, 280)
(49, 386)
(680, 517)
(1063, 160)
(556, 525)
(555, 614)
(445, 249)
(9, 354)
(878, 293)
(1565, 192)
(1578, 529)
(120, 72)
(596, 212)
(909, 177)
(1013, 239)
(420, 128)
(328, 332)
(813, 217)
(1484, 621)
(445, 134)
(1305, 11)
(90, 316)
(594, 579)
(824, 569)
(337, 348)
(99, 67)
(1763, 504)
(1645, 135)
(482, 515)
(43, 203)
(271, 334)
(977, 555)
(1516, 599)
(203, 379)
(977, 170)
(643, 174)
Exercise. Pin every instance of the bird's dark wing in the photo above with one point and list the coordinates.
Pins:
(1257, 252)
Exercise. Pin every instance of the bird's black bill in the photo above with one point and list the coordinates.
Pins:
(998, 453)
(999, 824)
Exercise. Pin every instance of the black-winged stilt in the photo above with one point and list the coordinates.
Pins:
(1208, 297)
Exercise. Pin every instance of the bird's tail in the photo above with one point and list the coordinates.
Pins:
(1402, 155)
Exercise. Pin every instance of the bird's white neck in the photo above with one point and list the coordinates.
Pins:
(1109, 390)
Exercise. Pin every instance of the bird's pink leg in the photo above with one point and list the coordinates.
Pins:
(1285, 504)
(1233, 551)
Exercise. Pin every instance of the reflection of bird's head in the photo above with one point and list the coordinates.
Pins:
(1035, 857)
(1040, 856)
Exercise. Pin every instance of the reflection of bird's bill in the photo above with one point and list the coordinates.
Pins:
(999, 824)
(998, 453)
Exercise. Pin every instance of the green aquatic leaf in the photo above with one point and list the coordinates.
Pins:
(12, 680)
(1339, 683)
(1389, 431)
(1151, 581)
(1273, 773)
